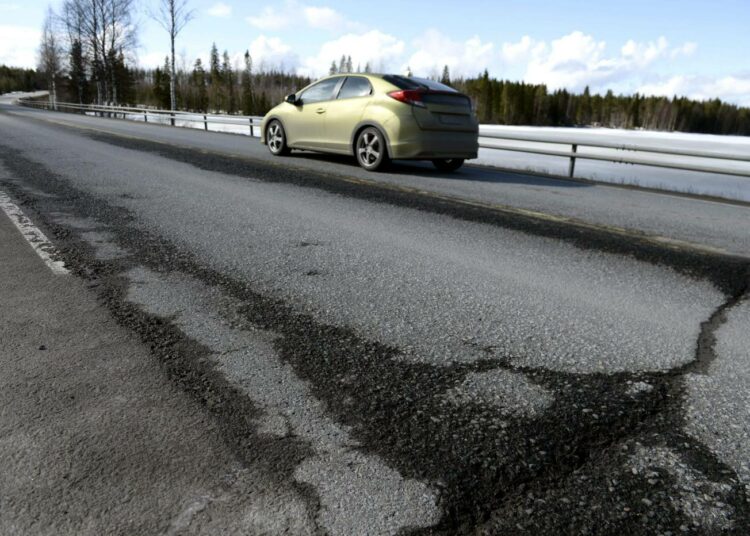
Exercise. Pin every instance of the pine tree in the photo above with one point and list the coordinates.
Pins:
(635, 113)
(585, 110)
(367, 67)
(485, 97)
(248, 99)
(263, 106)
(214, 66)
(349, 67)
(123, 79)
(199, 83)
(342, 64)
(446, 78)
(77, 71)
(227, 75)
(333, 69)
(161, 85)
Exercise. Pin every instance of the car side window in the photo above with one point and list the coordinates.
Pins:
(355, 86)
(322, 91)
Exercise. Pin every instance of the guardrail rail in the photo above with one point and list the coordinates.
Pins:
(250, 121)
(571, 145)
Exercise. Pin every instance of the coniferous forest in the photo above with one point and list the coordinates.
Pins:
(225, 86)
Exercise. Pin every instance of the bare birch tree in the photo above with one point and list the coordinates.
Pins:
(173, 16)
(50, 56)
(106, 32)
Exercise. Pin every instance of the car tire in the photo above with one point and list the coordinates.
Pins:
(448, 164)
(371, 150)
(276, 139)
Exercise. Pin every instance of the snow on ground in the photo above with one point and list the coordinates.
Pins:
(665, 179)
(216, 123)
(718, 185)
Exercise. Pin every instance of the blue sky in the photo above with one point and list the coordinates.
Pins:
(689, 47)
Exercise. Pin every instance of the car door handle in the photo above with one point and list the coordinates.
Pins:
(320, 111)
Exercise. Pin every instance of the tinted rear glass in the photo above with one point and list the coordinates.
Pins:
(403, 82)
(355, 86)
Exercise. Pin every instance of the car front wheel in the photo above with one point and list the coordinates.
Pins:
(448, 164)
(372, 153)
(276, 139)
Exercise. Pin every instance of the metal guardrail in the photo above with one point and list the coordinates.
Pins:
(250, 121)
(573, 154)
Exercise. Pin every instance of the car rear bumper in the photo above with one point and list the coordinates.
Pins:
(429, 144)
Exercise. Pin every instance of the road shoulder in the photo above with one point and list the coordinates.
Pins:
(94, 439)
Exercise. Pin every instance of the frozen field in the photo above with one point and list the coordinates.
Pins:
(652, 177)
(673, 180)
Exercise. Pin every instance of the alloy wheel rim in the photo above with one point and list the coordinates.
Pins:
(368, 148)
(275, 138)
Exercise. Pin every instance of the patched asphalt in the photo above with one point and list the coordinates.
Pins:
(325, 280)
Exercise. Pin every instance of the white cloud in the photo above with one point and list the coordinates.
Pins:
(324, 18)
(293, 13)
(687, 49)
(18, 45)
(576, 60)
(220, 9)
(732, 88)
(152, 60)
(270, 19)
(520, 51)
(435, 50)
(273, 53)
(381, 50)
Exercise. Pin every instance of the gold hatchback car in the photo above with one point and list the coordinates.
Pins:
(377, 118)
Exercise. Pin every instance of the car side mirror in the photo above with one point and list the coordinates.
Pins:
(292, 99)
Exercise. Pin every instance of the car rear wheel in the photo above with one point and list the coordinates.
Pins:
(372, 153)
(448, 164)
(276, 139)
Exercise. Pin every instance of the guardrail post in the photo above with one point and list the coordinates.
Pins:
(205, 122)
(252, 132)
(145, 117)
(171, 120)
(572, 165)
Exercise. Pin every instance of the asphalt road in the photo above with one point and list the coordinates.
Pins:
(411, 352)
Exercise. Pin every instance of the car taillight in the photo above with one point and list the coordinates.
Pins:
(408, 96)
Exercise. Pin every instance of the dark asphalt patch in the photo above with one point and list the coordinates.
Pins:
(482, 462)
(725, 271)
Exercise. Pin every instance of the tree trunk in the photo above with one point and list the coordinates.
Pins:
(172, 73)
(172, 80)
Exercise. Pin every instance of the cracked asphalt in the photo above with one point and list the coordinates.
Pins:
(405, 361)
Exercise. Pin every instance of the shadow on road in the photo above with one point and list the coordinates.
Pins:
(472, 173)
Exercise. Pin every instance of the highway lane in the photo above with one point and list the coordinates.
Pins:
(671, 216)
(435, 365)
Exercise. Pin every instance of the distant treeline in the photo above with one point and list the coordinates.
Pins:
(218, 87)
(223, 87)
(516, 103)
(17, 79)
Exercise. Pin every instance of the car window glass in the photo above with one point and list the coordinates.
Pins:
(322, 91)
(433, 84)
(355, 86)
(403, 82)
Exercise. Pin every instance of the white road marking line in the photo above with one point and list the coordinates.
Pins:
(36, 238)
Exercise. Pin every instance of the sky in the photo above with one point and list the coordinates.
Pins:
(695, 48)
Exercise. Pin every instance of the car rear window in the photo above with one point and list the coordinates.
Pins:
(413, 82)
